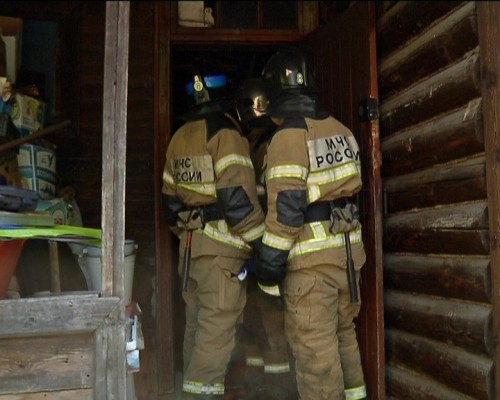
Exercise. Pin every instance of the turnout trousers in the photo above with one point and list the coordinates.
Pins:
(321, 332)
(214, 304)
(265, 322)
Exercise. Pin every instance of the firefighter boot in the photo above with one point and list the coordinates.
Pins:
(196, 396)
(357, 393)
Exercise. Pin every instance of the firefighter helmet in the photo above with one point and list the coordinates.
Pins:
(207, 91)
(201, 89)
(287, 71)
(252, 100)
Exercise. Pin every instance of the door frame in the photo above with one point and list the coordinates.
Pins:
(370, 323)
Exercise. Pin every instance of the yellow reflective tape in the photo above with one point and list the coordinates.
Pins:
(277, 242)
(222, 225)
(323, 243)
(270, 290)
(226, 238)
(206, 189)
(168, 179)
(255, 361)
(313, 193)
(287, 171)
(333, 174)
(277, 368)
(356, 393)
(254, 233)
(202, 388)
(317, 229)
(232, 159)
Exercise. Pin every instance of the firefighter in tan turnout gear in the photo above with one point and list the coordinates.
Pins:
(263, 323)
(312, 232)
(212, 206)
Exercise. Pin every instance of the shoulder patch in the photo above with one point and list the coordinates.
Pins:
(217, 122)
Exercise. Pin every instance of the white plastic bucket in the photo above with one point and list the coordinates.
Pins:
(90, 263)
(129, 248)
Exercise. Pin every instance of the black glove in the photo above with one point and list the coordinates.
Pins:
(269, 274)
(269, 278)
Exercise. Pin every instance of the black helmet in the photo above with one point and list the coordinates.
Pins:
(201, 89)
(287, 72)
(252, 100)
(206, 93)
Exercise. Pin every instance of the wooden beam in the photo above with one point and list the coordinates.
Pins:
(402, 383)
(110, 343)
(461, 181)
(454, 229)
(405, 20)
(446, 90)
(463, 324)
(449, 137)
(458, 277)
(68, 314)
(489, 37)
(452, 366)
(439, 46)
(34, 136)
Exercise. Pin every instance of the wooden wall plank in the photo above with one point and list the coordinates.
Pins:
(463, 324)
(34, 364)
(466, 372)
(448, 137)
(83, 394)
(404, 383)
(458, 277)
(407, 19)
(470, 242)
(471, 215)
(68, 314)
(453, 229)
(441, 45)
(446, 90)
(461, 181)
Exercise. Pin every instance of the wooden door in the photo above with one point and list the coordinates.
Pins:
(343, 54)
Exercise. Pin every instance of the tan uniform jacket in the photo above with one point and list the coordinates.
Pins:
(308, 161)
(208, 163)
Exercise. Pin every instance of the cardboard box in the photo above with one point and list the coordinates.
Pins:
(28, 114)
(9, 168)
(57, 208)
(37, 166)
(195, 14)
(12, 34)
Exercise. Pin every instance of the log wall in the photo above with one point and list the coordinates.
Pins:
(437, 275)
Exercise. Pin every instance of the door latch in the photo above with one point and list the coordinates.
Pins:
(368, 110)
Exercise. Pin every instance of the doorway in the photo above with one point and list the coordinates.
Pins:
(244, 60)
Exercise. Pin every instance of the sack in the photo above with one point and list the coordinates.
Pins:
(344, 219)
